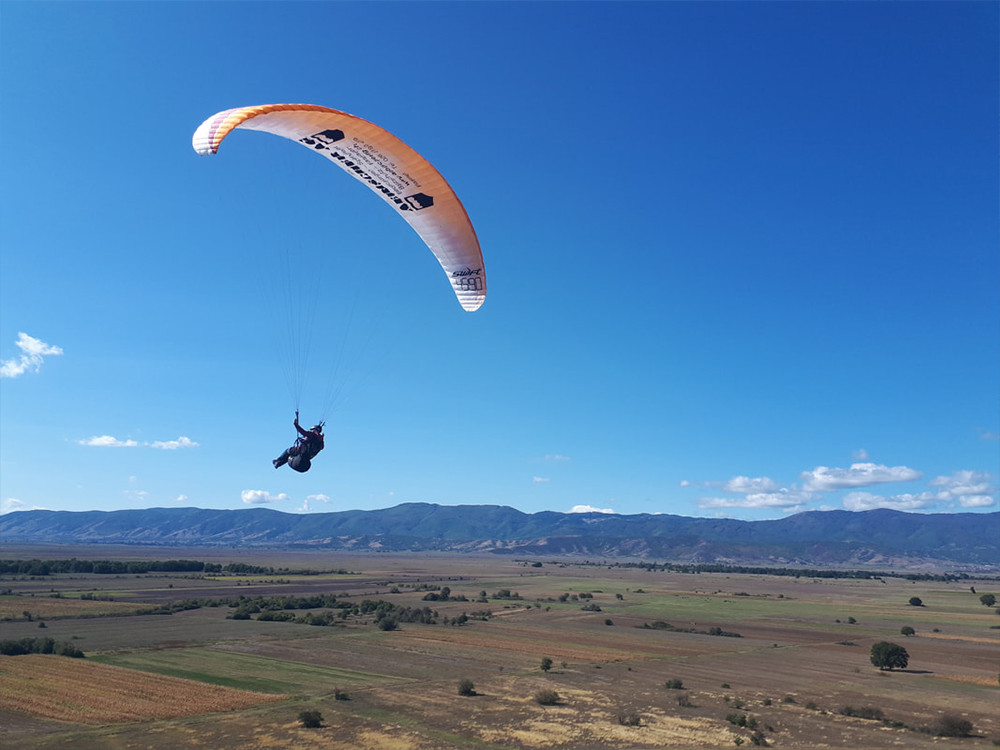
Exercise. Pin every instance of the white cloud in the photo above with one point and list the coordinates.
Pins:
(868, 501)
(30, 360)
(181, 499)
(860, 455)
(748, 484)
(172, 445)
(305, 507)
(985, 435)
(12, 504)
(260, 497)
(591, 509)
(780, 499)
(823, 478)
(107, 441)
(968, 489)
(540, 480)
(555, 457)
(972, 489)
(976, 501)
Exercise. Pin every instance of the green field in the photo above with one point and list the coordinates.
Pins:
(240, 670)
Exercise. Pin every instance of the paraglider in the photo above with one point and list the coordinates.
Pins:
(306, 447)
(391, 169)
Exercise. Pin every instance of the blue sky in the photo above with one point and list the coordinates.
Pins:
(742, 257)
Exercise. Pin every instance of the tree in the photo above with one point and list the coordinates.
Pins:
(915, 601)
(546, 664)
(465, 687)
(311, 719)
(887, 655)
(988, 600)
(907, 630)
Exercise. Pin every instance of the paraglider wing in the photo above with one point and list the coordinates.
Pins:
(390, 168)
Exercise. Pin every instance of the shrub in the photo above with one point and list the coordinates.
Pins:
(739, 720)
(863, 712)
(988, 600)
(546, 664)
(311, 719)
(631, 719)
(684, 700)
(546, 697)
(907, 630)
(465, 687)
(915, 601)
(340, 695)
(950, 725)
(674, 684)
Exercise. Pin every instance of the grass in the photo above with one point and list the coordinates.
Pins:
(240, 670)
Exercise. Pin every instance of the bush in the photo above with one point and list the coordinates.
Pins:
(988, 600)
(631, 719)
(546, 664)
(863, 712)
(950, 725)
(674, 684)
(907, 630)
(340, 695)
(311, 719)
(465, 687)
(546, 697)
(915, 601)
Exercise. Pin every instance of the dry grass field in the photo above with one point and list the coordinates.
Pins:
(802, 658)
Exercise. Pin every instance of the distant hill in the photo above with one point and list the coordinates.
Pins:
(879, 538)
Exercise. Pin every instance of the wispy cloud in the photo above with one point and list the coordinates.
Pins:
(261, 497)
(591, 509)
(554, 457)
(783, 498)
(860, 455)
(107, 441)
(12, 504)
(33, 351)
(306, 506)
(749, 484)
(823, 478)
(172, 445)
(539, 480)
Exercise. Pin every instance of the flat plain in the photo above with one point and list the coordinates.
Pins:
(640, 657)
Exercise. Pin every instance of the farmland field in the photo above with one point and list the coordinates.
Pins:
(760, 658)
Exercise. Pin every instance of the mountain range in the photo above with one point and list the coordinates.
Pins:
(874, 538)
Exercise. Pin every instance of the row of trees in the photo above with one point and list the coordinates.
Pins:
(122, 567)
